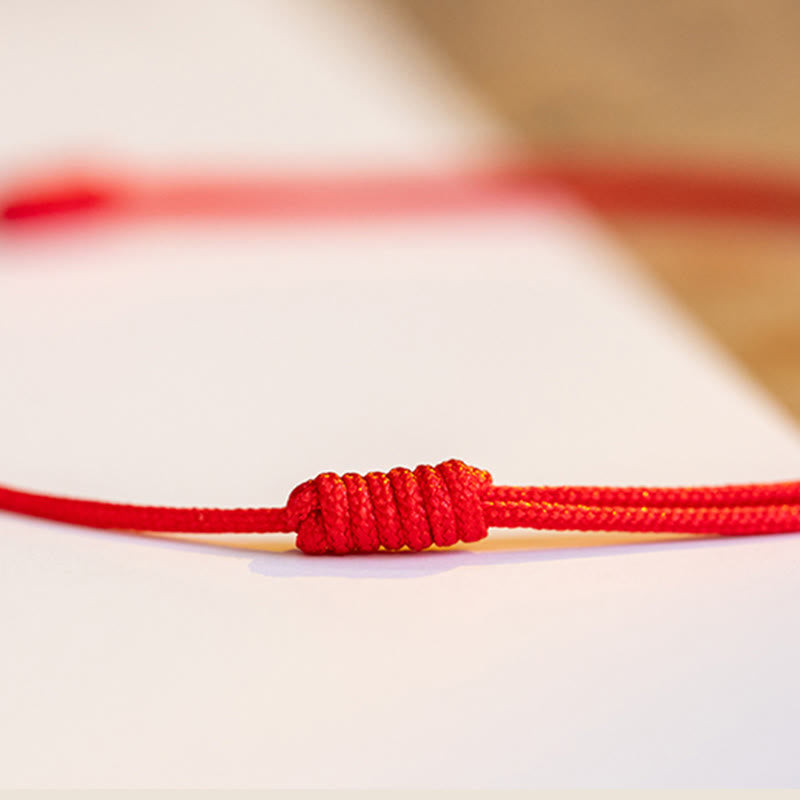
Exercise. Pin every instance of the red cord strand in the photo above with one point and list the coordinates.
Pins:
(94, 514)
(622, 189)
(753, 494)
(450, 502)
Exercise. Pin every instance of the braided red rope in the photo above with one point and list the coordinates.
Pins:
(452, 501)
(442, 505)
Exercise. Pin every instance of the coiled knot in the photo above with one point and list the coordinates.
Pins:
(400, 508)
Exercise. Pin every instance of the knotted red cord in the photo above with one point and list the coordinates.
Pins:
(452, 501)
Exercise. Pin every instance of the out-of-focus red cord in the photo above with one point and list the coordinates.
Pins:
(620, 189)
(452, 501)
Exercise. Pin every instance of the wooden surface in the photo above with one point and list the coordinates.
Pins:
(698, 81)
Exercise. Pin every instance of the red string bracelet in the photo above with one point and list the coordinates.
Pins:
(450, 502)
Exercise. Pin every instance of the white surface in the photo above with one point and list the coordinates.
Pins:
(224, 366)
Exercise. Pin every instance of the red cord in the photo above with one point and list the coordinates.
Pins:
(442, 505)
(622, 189)
(451, 502)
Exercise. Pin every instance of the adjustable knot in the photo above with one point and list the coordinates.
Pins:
(400, 508)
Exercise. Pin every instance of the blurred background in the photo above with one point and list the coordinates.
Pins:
(697, 82)
(705, 83)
